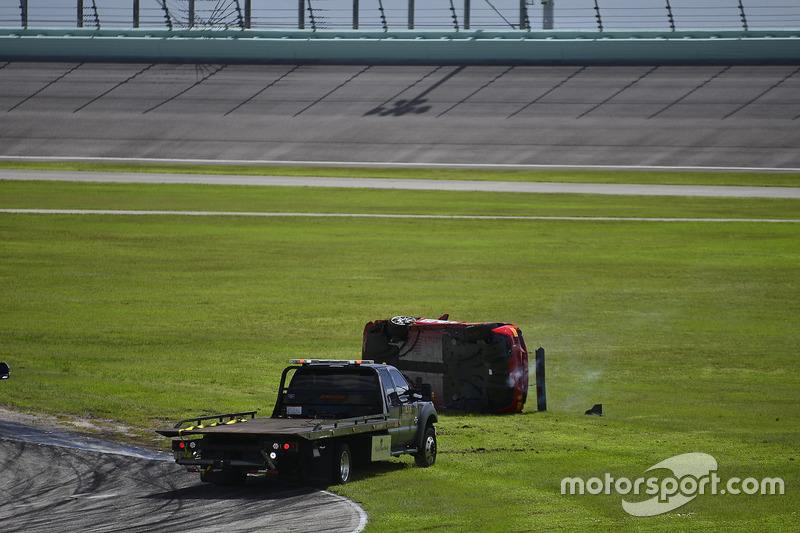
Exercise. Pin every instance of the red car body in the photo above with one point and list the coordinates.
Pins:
(471, 367)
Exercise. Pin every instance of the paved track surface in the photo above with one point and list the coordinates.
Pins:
(58, 482)
(667, 116)
(408, 184)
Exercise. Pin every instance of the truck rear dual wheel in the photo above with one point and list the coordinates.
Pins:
(342, 461)
(427, 454)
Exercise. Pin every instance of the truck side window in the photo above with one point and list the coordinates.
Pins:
(389, 388)
(400, 383)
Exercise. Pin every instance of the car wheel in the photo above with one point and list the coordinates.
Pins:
(398, 327)
(403, 320)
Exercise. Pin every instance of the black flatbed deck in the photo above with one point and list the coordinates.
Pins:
(307, 428)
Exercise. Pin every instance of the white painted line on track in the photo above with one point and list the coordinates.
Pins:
(135, 212)
(363, 517)
(388, 164)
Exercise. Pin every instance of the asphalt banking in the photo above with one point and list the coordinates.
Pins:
(59, 481)
(666, 116)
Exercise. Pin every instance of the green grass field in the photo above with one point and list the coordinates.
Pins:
(687, 332)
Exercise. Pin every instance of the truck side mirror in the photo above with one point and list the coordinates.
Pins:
(394, 399)
(427, 392)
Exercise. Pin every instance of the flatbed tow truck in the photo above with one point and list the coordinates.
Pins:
(330, 415)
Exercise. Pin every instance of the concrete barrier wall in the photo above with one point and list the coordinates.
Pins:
(225, 46)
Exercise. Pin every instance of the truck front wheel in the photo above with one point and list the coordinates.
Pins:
(342, 461)
(427, 454)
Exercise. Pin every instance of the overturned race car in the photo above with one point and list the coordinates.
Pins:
(471, 367)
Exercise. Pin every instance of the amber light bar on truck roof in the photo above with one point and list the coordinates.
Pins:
(330, 361)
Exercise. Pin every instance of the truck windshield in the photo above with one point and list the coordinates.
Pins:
(333, 393)
(325, 380)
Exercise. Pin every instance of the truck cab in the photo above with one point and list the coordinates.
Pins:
(342, 389)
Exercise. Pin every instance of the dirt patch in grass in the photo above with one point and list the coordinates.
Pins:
(87, 426)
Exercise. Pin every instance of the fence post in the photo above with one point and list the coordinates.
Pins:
(597, 15)
(743, 16)
(541, 391)
(670, 17)
(23, 12)
(301, 14)
(548, 14)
